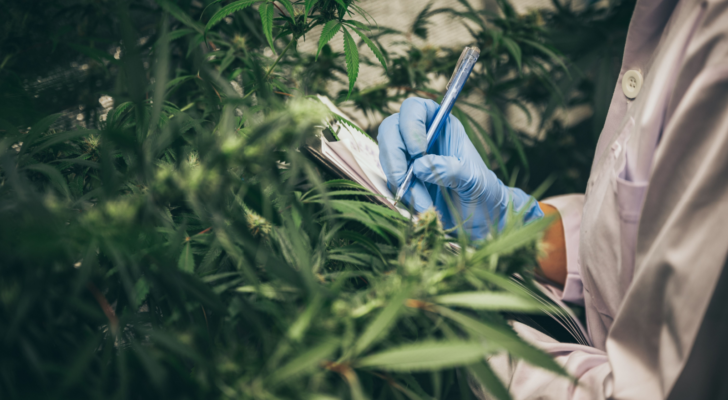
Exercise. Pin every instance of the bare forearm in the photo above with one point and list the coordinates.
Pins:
(553, 262)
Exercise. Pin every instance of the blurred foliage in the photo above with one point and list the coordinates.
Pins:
(162, 237)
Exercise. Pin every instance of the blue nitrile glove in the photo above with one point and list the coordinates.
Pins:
(454, 168)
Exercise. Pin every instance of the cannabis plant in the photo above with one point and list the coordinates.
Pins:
(175, 243)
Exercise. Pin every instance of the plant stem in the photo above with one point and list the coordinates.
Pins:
(279, 57)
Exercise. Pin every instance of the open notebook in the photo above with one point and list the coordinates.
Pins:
(355, 156)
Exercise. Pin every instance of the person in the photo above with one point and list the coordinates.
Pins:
(644, 248)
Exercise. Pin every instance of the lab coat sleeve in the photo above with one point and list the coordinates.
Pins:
(570, 207)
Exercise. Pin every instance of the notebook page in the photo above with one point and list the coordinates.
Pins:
(366, 155)
(340, 153)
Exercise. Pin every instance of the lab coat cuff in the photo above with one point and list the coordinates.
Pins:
(570, 208)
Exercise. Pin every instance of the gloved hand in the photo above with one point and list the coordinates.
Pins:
(453, 170)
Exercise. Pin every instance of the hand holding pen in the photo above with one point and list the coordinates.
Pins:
(450, 173)
(462, 71)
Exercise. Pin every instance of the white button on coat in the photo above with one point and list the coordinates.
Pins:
(631, 83)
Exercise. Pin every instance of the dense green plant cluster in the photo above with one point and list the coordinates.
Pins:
(176, 244)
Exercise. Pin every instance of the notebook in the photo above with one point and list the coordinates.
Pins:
(354, 156)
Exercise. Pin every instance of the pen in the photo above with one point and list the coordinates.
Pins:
(462, 71)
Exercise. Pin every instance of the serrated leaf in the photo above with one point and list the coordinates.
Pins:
(266, 17)
(352, 59)
(308, 6)
(382, 323)
(372, 46)
(305, 362)
(327, 33)
(186, 260)
(227, 10)
(426, 356)
(289, 7)
(352, 125)
(495, 301)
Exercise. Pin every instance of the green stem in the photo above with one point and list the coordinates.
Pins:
(279, 57)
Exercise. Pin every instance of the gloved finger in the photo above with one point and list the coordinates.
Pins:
(417, 197)
(415, 116)
(392, 151)
(394, 160)
(445, 171)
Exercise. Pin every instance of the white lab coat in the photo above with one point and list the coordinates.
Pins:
(647, 243)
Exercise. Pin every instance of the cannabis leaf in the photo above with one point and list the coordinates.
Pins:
(266, 17)
(227, 10)
(330, 29)
(308, 6)
(514, 49)
(374, 48)
(352, 59)
(289, 7)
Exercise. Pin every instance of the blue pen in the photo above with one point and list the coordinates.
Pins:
(462, 71)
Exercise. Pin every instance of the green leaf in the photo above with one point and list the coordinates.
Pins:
(176, 34)
(504, 338)
(514, 49)
(327, 33)
(485, 375)
(202, 14)
(289, 7)
(495, 301)
(186, 260)
(351, 124)
(383, 322)
(512, 240)
(374, 48)
(547, 51)
(227, 10)
(352, 59)
(308, 6)
(300, 326)
(266, 17)
(36, 130)
(51, 140)
(54, 176)
(141, 288)
(181, 16)
(179, 80)
(426, 356)
(342, 4)
(305, 362)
